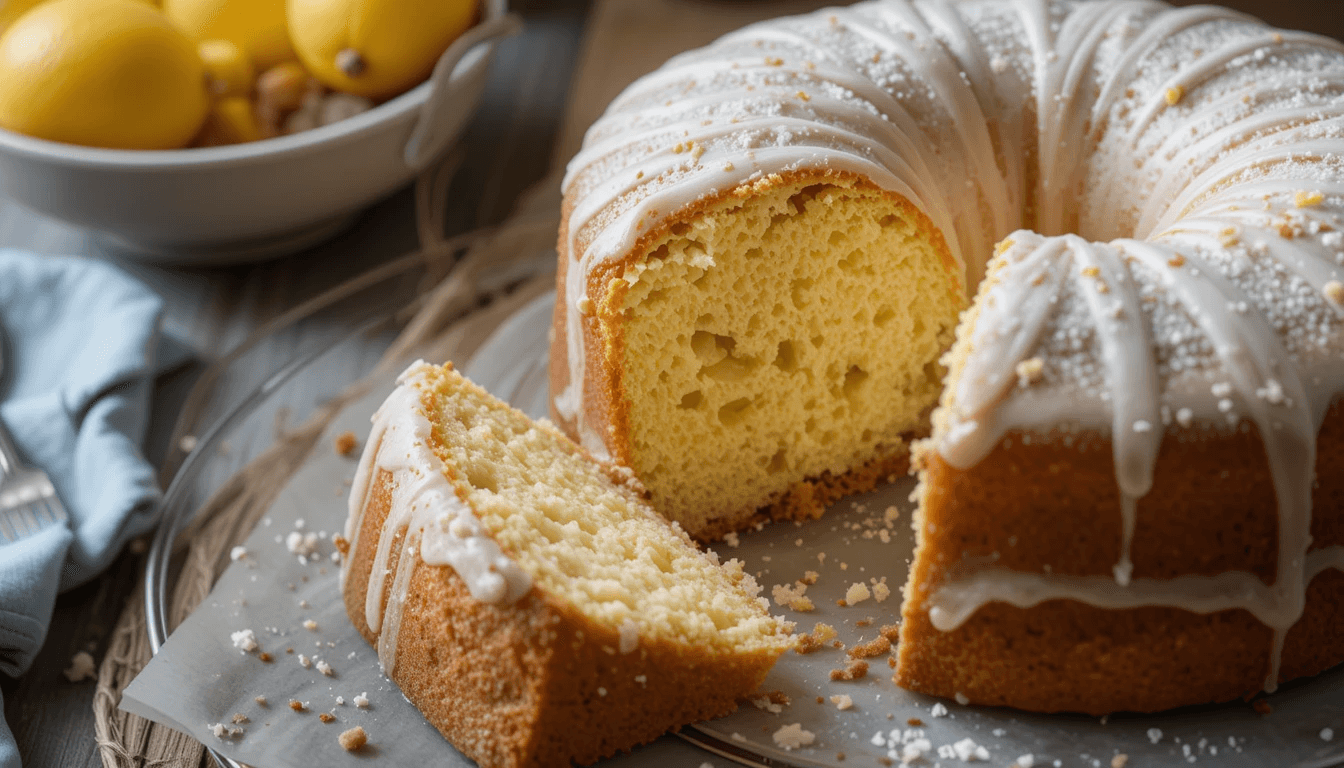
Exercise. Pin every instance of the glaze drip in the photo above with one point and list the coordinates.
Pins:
(425, 518)
(1183, 170)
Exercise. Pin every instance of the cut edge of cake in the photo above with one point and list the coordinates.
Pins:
(508, 643)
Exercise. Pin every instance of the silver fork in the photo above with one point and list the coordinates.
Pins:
(28, 500)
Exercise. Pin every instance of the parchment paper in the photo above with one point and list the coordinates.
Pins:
(199, 678)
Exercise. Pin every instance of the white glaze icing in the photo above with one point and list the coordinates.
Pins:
(438, 527)
(1178, 145)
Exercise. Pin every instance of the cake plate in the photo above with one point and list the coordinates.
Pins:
(865, 539)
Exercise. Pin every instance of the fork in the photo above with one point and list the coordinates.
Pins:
(28, 500)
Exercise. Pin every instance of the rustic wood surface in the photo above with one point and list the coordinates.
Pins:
(531, 121)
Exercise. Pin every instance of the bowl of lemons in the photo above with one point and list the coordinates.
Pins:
(216, 131)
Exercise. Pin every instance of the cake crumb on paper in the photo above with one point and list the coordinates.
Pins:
(244, 640)
(353, 739)
(842, 701)
(875, 647)
(857, 593)
(854, 670)
(362, 700)
(346, 442)
(326, 717)
(792, 736)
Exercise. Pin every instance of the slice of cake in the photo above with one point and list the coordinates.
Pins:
(525, 597)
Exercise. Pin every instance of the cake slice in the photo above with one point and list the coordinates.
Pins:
(525, 597)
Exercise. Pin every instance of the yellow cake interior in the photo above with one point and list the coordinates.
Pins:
(781, 336)
(586, 539)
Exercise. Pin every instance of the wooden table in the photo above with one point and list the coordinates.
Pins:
(531, 121)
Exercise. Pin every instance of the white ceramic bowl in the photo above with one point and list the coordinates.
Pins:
(250, 201)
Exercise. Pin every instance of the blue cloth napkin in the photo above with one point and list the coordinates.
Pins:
(79, 338)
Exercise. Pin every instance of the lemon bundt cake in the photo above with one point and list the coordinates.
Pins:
(1132, 498)
(533, 608)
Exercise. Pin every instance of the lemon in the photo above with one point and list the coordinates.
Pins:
(227, 68)
(10, 10)
(231, 121)
(103, 73)
(375, 48)
(256, 26)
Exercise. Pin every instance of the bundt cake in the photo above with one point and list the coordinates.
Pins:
(530, 604)
(1132, 496)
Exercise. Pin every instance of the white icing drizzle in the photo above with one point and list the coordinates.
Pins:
(1178, 144)
(438, 527)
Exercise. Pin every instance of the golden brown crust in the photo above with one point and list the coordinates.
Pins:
(1212, 509)
(606, 401)
(522, 684)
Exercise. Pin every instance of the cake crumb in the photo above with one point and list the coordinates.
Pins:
(341, 543)
(854, 670)
(244, 640)
(362, 700)
(310, 625)
(81, 667)
(857, 593)
(1305, 199)
(325, 668)
(968, 751)
(239, 717)
(305, 662)
(914, 722)
(810, 577)
(260, 700)
(880, 590)
(792, 736)
(764, 704)
(875, 647)
(1334, 291)
(354, 739)
(326, 717)
(296, 705)
(1030, 371)
(1120, 760)
(238, 553)
(938, 709)
(1175, 94)
(346, 443)
(842, 701)
(890, 631)
(264, 656)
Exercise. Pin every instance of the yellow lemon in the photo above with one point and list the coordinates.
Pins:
(231, 121)
(10, 10)
(103, 73)
(375, 48)
(256, 26)
(228, 71)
